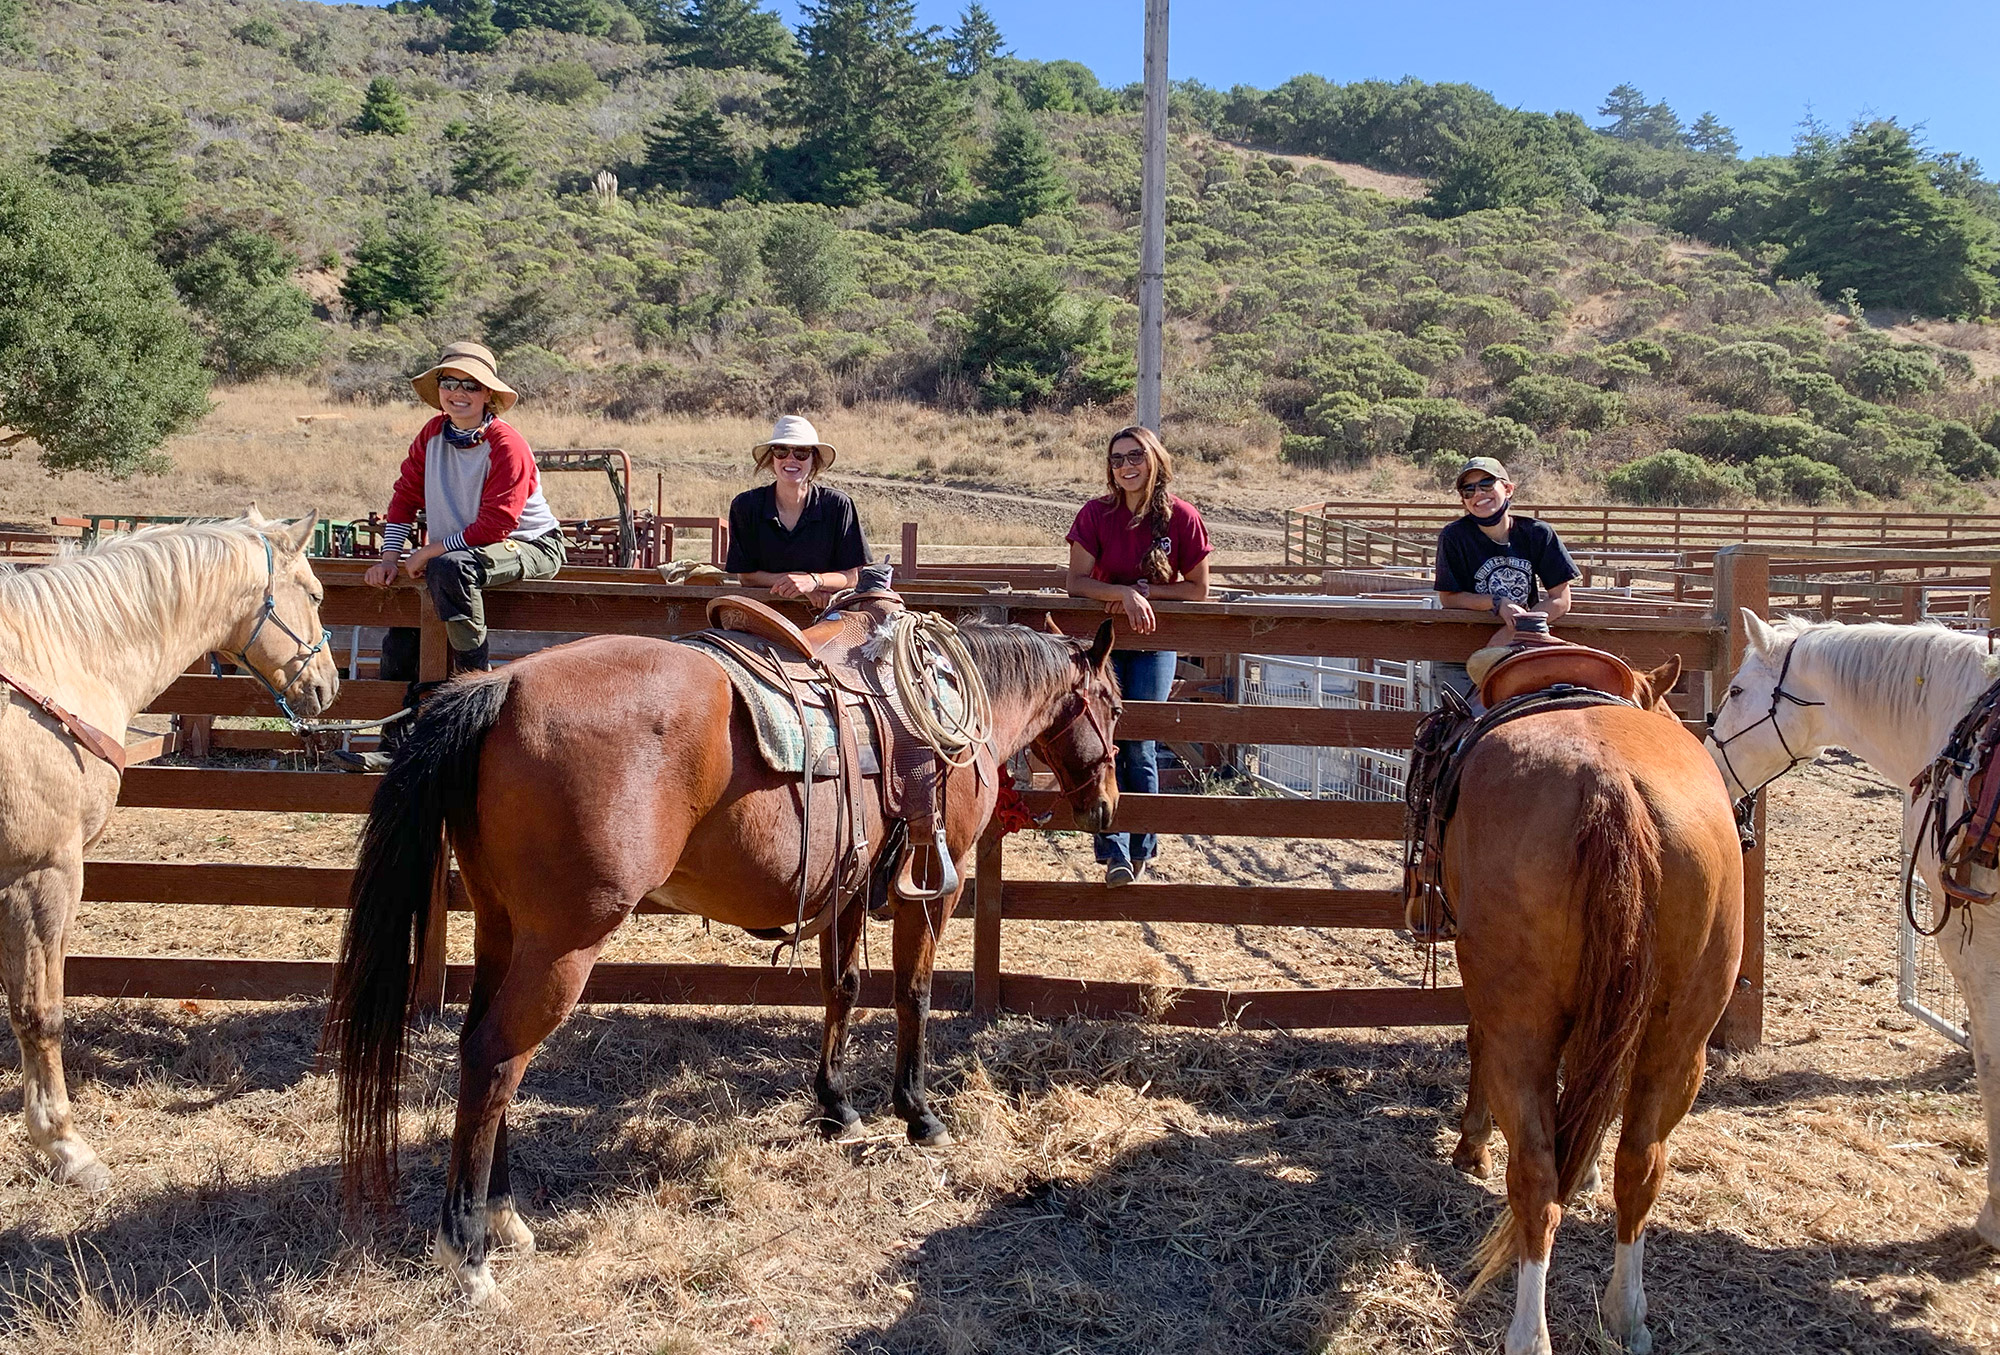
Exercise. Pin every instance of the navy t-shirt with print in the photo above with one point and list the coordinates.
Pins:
(1469, 561)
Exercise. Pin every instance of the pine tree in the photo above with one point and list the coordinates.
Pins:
(474, 30)
(1877, 224)
(726, 34)
(1633, 119)
(489, 158)
(382, 109)
(1710, 137)
(564, 16)
(402, 266)
(688, 150)
(975, 43)
(1020, 177)
(876, 109)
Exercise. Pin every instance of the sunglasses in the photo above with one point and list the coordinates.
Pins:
(794, 453)
(458, 383)
(1126, 458)
(1472, 487)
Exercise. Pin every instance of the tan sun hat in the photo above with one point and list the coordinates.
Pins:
(793, 430)
(466, 358)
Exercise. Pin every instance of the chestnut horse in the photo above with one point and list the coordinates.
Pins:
(1598, 881)
(585, 778)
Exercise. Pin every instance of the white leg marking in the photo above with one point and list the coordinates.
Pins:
(505, 1229)
(1625, 1297)
(1530, 1333)
(475, 1282)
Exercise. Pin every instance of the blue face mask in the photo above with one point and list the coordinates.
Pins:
(1498, 514)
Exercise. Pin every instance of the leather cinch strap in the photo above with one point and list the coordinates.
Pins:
(84, 732)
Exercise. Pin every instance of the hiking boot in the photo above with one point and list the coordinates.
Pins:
(477, 660)
(346, 760)
(1119, 874)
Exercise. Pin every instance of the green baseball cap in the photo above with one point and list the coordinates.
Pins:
(1482, 463)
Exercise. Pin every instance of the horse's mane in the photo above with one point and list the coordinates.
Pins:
(1017, 661)
(121, 589)
(1882, 662)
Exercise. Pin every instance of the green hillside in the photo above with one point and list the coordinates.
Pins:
(689, 209)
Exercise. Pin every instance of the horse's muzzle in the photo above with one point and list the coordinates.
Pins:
(1096, 817)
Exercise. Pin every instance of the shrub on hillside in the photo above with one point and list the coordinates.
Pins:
(1798, 479)
(258, 31)
(1739, 436)
(97, 362)
(253, 319)
(1547, 402)
(1506, 362)
(1032, 344)
(809, 263)
(1889, 373)
(1965, 453)
(1885, 459)
(566, 81)
(1673, 478)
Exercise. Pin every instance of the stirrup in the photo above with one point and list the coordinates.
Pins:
(906, 884)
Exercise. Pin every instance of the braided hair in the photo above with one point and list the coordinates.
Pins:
(1158, 511)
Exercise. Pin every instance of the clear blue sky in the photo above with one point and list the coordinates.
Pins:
(1757, 64)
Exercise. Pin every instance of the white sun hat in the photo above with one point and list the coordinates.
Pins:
(793, 430)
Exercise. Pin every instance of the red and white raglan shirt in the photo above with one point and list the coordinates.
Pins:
(473, 495)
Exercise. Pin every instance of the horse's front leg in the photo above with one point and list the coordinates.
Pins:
(840, 984)
(917, 932)
(1974, 960)
(35, 910)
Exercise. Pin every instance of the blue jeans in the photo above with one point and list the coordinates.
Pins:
(1143, 675)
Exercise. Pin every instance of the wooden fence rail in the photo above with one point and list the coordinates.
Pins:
(601, 601)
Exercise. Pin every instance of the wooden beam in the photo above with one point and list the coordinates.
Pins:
(360, 699)
(278, 792)
(1238, 816)
(1206, 722)
(1245, 905)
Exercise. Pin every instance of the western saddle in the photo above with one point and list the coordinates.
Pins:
(1541, 674)
(842, 665)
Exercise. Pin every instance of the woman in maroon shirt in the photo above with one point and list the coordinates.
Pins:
(1135, 544)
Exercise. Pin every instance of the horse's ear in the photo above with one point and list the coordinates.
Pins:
(1100, 648)
(1049, 623)
(1758, 632)
(1662, 679)
(252, 516)
(299, 532)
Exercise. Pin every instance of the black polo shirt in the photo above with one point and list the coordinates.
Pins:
(827, 538)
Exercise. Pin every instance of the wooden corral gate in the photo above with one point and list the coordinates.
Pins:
(592, 601)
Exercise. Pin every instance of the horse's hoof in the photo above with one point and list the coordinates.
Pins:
(931, 1135)
(86, 1173)
(476, 1283)
(840, 1125)
(1988, 1225)
(505, 1229)
(1474, 1162)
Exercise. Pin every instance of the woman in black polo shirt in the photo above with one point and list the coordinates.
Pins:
(797, 538)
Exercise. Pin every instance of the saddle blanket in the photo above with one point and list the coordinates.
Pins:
(780, 740)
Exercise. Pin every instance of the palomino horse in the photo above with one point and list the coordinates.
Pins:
(585, 778)
(1890, 694)
(1598, 881)
(99, 635)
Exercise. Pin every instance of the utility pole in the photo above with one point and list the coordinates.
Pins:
(1153, 218)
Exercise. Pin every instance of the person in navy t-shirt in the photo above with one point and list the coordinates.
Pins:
(1496, 560)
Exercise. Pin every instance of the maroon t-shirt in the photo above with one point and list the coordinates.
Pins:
(1104, 527)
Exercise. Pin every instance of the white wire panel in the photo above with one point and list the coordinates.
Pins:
(1325, 683)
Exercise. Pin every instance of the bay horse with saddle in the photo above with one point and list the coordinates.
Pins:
(1575, 841)
(790, 783)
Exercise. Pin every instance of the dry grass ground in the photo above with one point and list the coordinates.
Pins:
(1117, 1187)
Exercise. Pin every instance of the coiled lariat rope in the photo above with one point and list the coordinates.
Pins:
(921, 645)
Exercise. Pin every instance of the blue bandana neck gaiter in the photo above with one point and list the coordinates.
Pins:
(472, 437)
(1498, 514)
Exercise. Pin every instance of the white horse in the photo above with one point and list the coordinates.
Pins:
(1890, 694)
(97, 636)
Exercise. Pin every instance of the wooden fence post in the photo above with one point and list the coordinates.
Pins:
(909, 561)
(986, 924)
(427, 990)
(1743, 579)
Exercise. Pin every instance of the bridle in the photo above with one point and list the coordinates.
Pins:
(1085, 710)
(1778, 694)
(307, 652)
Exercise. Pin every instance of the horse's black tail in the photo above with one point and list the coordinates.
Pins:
(433, 781)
